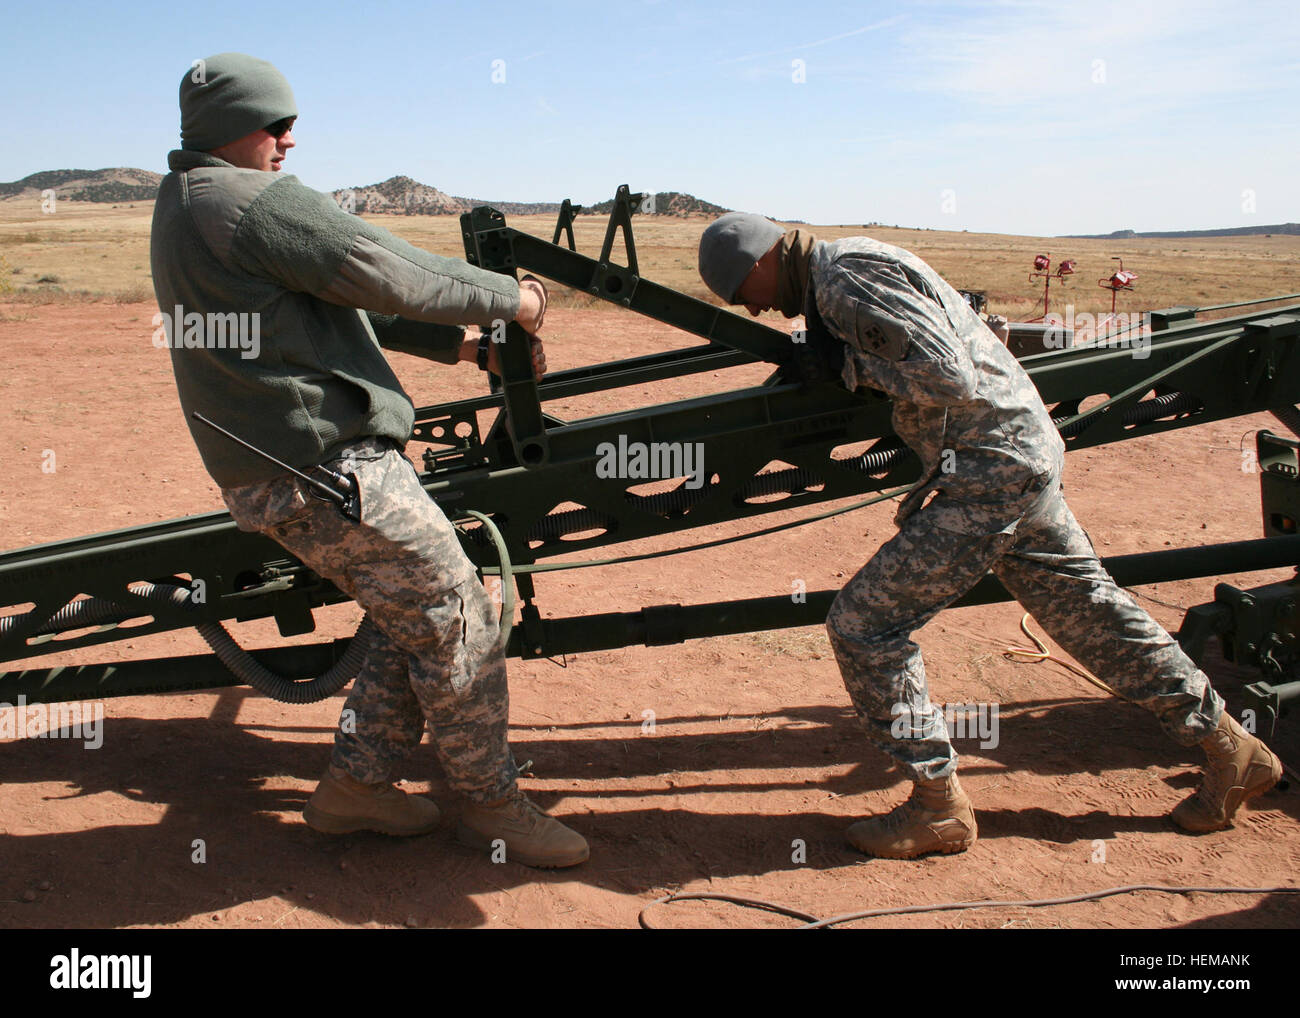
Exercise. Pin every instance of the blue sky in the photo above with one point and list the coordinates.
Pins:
(1026, 117)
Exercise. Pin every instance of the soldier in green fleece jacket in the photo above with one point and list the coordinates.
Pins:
(232, 236)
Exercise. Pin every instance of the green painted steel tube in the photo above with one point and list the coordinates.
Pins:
(667, 624)
(657, 625)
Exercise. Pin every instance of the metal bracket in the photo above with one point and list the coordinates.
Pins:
(1266, 700)
(620, 217)
(1278, 459)
(1165, 317)
(568, 211)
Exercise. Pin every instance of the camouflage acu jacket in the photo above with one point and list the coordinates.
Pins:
(962, 402)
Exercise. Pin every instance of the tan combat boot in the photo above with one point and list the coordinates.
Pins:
(529, 835)
(1238, 767)
(341, 804)
(937, 817)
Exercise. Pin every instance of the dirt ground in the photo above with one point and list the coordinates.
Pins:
(754, 748)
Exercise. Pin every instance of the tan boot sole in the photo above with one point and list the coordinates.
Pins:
(945, 847)
(948, 848)
(330, 823)
(466, 835)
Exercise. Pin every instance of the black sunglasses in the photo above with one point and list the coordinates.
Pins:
(280, 128)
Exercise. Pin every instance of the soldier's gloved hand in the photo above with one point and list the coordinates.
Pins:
(532, 304)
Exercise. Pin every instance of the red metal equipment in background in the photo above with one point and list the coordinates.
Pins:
(1121, 279)
(1043, 271)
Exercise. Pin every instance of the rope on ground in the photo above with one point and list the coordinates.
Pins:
(947, 906)
(1039, 653)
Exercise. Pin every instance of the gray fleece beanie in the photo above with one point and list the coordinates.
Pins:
(228, 96)
(730, 247)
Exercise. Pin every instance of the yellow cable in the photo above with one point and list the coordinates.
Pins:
(1039, 653)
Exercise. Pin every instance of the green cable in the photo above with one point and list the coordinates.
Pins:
(547, 567)
(507, 574)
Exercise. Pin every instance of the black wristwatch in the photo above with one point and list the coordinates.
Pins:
(482, 357)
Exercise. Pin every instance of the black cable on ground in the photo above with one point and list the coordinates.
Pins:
(812, 923)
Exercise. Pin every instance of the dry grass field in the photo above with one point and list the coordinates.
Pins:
(86, 251)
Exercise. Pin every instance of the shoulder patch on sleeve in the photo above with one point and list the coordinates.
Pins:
(879, 332)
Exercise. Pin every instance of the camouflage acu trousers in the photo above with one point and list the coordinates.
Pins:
(1033, 544)
(435, 658)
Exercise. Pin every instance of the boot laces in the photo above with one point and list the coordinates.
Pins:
(1215, 780)
(523, 808)
(901, 815)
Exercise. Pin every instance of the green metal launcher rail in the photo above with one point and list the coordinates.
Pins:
(524, 486)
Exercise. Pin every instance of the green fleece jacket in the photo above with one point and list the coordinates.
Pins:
(307, 376)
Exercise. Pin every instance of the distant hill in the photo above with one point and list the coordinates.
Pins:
(400, 195)
(1292, 229)
(117, 184)
(406, 197)
(666, 203)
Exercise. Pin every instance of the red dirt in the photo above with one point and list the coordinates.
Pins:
(754, 746)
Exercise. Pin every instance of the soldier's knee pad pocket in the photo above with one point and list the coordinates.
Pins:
(479, 631)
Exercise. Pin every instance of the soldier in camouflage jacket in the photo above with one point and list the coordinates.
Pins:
(990, 498)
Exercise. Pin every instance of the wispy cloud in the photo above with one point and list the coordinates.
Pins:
(820, 42)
